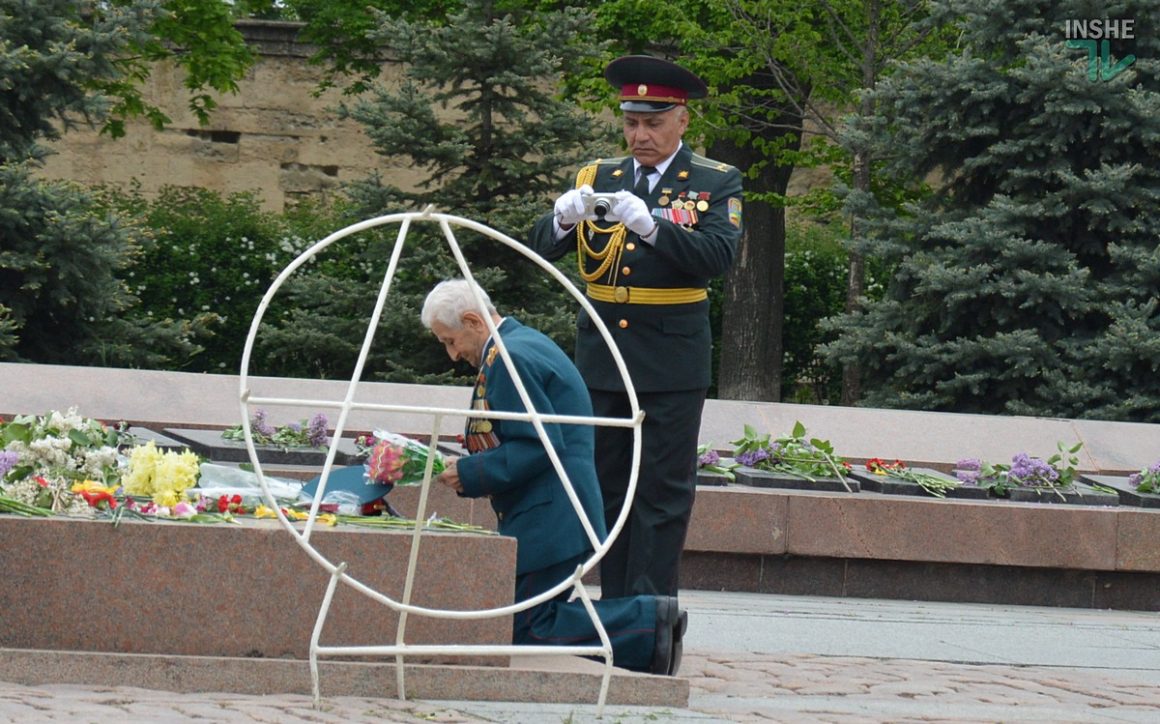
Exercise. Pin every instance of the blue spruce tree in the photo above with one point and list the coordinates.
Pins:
(1024, 279)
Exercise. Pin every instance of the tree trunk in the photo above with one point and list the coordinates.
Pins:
(856, 279)
(855, 284)
(751, 325)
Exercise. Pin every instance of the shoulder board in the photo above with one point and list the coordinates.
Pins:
(587, 174)
(699, 160)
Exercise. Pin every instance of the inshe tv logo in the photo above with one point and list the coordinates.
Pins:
(1088, 34)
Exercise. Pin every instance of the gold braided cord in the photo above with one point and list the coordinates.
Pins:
(613, 250)
(609, 256)
(587, 174)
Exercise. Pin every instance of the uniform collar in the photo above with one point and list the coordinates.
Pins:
(660, 167)
(491, 340)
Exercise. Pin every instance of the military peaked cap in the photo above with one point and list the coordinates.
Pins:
(649, 85)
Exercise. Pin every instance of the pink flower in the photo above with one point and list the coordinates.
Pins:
(184, 509)
(385, 465)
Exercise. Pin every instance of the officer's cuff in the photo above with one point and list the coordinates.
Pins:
(561, 230)
(651, 237)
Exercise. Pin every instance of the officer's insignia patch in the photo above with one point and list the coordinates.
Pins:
(735, 212)
(617, 173)
(683, 175)
(491, 353)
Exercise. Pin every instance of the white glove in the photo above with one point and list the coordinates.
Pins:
(570, 206)
(633, 213)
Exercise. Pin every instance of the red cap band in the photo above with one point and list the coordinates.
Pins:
(653, 93)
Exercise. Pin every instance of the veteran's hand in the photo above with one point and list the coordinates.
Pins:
(570, 206)
(450, 477)
(634, 214)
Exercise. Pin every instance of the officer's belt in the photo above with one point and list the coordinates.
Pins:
(646, 295)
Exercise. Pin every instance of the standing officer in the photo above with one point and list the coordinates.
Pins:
(673, 224)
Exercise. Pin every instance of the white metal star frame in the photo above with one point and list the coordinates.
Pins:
(337, 571)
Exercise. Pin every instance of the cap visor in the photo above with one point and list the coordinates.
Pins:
(645, 106)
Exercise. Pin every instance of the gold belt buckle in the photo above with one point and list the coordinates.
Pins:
(620, 294)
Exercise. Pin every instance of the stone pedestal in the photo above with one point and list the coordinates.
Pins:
(244, 590)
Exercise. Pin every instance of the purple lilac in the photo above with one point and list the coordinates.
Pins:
(711, 457)
(969, 470)
(1153, 472)
(752, 457)
(1026, 470)
(260, 425)
(8, 460)
(316, 430)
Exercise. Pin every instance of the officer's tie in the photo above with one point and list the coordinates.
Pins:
(642, 186)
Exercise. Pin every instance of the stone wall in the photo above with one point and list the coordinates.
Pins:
(275, 137)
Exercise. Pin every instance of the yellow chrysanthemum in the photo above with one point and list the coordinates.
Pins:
(163, 476)
(176, 472)
(138, 479)
(165, 498)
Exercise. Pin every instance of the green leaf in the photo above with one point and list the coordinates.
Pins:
(16, 431)
(80, 439)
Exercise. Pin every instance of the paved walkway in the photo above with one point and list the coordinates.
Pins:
(760, 658)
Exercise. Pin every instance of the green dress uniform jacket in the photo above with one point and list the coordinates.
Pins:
(665, 346)
(508, 463)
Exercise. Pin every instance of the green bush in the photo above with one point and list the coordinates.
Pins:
(210, 256)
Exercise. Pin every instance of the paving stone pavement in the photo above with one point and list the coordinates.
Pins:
(754, 658)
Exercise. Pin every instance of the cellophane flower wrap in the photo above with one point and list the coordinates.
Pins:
(394, 459)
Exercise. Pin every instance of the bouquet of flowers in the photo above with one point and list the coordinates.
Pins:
(1056, 473)
(1147, 480)
(161, 476)
(306, 433)
(393, 459)
(44, 456)
(791, 454)
(936, 485)
(710, 461)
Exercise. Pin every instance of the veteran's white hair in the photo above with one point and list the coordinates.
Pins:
(448, 301)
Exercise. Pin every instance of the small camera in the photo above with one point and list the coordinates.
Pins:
(600, 205)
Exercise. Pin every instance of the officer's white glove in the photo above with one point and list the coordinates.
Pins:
(634, 214)
(570, 206)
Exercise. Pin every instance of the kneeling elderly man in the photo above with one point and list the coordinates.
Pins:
(508, 463)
